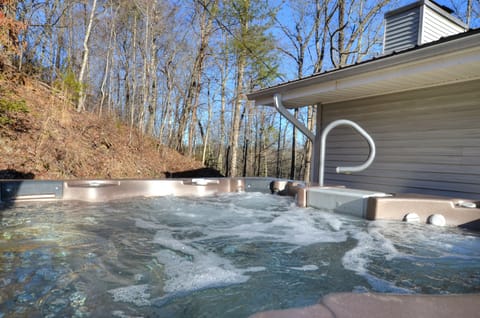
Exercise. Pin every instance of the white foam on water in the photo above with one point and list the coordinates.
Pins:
(295, 226)
(136, 294)
(121, 314)
(166, 240)
(355, 259)
(250, 217)
(301, 229)
(255, 269)
(200, 271)
(383, 239)
(189, 268)
(415, 240)
(306, 268)
(370, 243)
(335, 223)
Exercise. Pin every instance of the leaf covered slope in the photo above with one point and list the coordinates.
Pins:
(43, 137)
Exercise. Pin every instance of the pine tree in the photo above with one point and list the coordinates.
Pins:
(253, 49)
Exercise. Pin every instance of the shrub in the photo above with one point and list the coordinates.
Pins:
(9, 107)
(69, 85)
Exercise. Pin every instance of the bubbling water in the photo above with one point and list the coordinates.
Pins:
(228, 255)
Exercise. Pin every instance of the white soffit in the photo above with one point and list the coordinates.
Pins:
(444, 63)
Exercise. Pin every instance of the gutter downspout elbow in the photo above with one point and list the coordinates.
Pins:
(277, 101)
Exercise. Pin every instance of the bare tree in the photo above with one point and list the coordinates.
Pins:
(299, 36)
(109, 59)
(206, 11)
(86, 50)
(353, 20)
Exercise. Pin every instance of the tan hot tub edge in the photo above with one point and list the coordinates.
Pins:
(118, 189)
(365, 204)
(373, 305)
(412, 207)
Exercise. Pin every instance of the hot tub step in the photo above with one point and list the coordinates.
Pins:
(341, 200)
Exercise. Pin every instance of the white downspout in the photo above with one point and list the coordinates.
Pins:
(277, 99)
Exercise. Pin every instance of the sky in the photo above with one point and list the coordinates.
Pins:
(288, 68)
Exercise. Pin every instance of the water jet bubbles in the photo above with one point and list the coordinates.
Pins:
(77, 299)
(135, 294)
(91, 255)
(91, 220)
(138, 277)
(62, 254)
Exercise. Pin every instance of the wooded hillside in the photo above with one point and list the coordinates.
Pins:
(43, 137)
(174, 73)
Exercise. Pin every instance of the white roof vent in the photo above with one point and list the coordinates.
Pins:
(419, 23)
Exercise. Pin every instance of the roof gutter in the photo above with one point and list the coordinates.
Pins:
(453, 45)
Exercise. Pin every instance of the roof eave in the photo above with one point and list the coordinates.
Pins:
(461, 49)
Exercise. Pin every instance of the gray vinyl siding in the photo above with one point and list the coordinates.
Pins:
(436, 26)
(428, 141)
(401, 30)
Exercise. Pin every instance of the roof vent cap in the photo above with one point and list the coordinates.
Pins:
(419, 23)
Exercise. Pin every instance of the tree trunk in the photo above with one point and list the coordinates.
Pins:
(223, 103)
(222, 141)
(81, 77)
(246, 140)
(308, 144)
(189, 110)
(207, 132)
(108, 60)
(152, 104)
(133, 99)
(145, 73)
(166, 111)
(236, 115)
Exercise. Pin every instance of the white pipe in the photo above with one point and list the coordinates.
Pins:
(277, 100)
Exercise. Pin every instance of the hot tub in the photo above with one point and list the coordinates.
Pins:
(219, 248)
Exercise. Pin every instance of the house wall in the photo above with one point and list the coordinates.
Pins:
(428, 141)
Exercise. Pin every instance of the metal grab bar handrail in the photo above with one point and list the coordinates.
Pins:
(362, 132)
